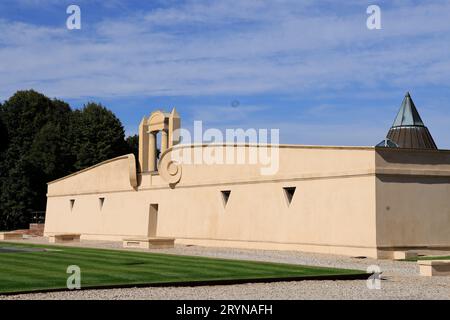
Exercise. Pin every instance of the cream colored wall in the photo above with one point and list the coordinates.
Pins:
(340, 205)
(334, 205)
(115, 175)
(413, 200)
(324, 212)
(294, 162)
(120, 216)
(332, 209)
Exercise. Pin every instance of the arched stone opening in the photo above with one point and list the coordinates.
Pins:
(158, 122)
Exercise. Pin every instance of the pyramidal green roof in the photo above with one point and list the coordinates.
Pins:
(408, 130)
(408, 114)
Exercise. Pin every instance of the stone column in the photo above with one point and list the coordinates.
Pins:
(164, 141)
(143, 145)
(151, 151)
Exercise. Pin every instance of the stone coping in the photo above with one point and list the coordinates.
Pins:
(433, 262)
(149, 239)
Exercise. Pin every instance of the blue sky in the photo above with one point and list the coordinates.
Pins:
(310, 68)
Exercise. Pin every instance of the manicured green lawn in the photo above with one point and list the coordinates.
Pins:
(44, 270)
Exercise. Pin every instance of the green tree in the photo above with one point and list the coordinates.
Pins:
(42, 139)
(97, 135)
(3, 132)
(133, 145)
(22, 183)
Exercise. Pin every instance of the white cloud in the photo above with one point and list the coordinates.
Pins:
(229, 47)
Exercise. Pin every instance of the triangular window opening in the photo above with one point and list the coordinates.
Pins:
(225, 197)
(289, 193)
(101, 202)
(72, 203)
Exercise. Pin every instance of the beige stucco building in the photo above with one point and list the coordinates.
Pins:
(359, 201)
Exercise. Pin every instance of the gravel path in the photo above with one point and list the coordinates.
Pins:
(401, 280)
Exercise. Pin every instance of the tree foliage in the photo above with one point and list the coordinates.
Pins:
(43, 139)
(3, 132)
(97, 135)
(133, 145)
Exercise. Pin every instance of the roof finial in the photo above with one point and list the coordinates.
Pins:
(408, 129)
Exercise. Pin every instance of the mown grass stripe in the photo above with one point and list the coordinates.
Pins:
(25, 271)
(168, 262)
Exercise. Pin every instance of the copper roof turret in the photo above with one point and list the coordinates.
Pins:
(408, 130)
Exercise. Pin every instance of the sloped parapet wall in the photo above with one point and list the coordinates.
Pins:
(78, 202)
(112, 175)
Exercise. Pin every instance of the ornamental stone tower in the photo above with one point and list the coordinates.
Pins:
(159, 121)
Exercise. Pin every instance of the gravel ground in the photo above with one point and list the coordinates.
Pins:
(401, 280)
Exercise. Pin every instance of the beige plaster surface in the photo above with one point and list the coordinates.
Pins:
(358, 201)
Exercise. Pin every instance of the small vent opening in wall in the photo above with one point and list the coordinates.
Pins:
(101, 201)
(72, 203)
(225, 196)
(289, 193)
